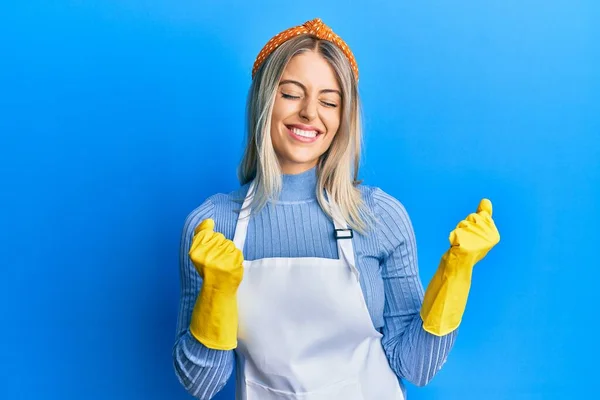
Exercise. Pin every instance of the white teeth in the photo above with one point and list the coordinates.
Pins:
(308, 134)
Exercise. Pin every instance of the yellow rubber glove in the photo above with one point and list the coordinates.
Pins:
(220, 264)
(446, 296)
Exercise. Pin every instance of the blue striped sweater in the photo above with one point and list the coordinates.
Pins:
(295, 226)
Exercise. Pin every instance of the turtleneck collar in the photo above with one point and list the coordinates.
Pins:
(299, 187)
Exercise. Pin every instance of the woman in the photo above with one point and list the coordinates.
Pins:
(313, 286)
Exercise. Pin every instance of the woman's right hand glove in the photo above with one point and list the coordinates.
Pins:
(220, 264)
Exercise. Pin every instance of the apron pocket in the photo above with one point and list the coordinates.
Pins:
(344, 390)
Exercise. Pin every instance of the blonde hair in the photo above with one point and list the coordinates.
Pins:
(337, 168)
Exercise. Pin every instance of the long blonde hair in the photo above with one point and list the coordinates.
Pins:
(337, 168)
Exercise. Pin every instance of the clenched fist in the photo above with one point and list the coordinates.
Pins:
(477, 234)
(218, 261)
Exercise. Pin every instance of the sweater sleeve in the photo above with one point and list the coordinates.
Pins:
(202, 371)
(413, 353)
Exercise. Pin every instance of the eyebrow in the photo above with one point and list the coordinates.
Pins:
(304, 87)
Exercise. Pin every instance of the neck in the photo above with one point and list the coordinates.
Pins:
(299, 186)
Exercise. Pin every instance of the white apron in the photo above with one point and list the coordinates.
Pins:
(304, 329)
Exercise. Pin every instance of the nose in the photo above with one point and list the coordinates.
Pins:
(309, 109)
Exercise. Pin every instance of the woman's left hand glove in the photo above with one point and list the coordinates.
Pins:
(446, 296)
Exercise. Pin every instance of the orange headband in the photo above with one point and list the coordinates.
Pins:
(316, 28)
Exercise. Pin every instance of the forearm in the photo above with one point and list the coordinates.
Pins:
(416, 354)
(203, 372)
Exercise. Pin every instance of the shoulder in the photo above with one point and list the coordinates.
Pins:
(383, 204)
(393, 223)
(221, 207)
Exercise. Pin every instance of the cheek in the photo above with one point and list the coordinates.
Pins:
(275, 115)
(332, 121)
(281, 110)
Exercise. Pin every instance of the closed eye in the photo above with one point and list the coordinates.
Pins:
(291, 97)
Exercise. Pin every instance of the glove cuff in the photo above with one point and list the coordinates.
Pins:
(446, 295)
(214, 320)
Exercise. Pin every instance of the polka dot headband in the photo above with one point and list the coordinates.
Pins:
(316, 28)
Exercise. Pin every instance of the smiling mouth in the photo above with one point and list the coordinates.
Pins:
(302, 133)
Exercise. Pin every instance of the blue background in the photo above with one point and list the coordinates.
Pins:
(117, 118)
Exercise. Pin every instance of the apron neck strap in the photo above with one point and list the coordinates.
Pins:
(241, 227)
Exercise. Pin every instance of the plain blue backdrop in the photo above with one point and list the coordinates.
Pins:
(117, 118)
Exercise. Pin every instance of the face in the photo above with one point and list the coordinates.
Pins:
(306, 112)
